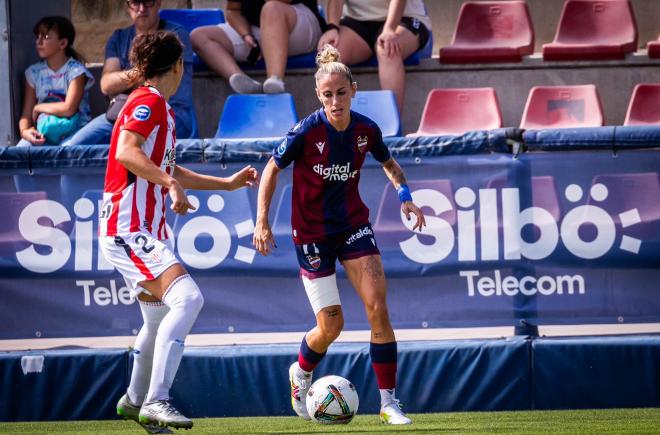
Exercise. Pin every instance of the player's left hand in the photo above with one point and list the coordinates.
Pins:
(388, 41)
(246, 177)
(409, 207)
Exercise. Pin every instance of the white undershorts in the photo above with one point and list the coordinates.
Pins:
(322, 292)
(302, 39)
(138, 257)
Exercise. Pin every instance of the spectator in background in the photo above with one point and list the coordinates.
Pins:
(119, 74)
(274, 29)
(55, 102)
(392, 30)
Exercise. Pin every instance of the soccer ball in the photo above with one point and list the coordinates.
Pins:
(332, 400)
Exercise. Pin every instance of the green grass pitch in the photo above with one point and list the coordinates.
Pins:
(612, 421)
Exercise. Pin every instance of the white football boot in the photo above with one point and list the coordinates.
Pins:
(163, 414)
(128, 411)
(390, 413)
(299, 387)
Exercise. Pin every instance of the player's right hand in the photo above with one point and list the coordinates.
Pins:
(263, 239)
(180, 204)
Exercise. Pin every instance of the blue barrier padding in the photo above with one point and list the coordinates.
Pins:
(452, 375)
(190, 151)
(596, 372)
(566, 139)
(461, 375)
(66, 385)
(504, 140)
(611, 137)
(637, 136)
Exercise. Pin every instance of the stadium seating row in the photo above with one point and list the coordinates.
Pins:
(446, 112)
(501, 31)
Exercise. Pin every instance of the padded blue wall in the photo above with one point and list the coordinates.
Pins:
(452, 375)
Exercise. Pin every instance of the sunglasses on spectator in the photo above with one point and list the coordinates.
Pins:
(135, 4)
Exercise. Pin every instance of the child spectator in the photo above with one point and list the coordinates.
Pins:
(55, 103)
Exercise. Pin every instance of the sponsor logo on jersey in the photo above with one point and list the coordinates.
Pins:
(141, 113)
(362, 143)
(335, 172)
(170, 157)
(320, 146)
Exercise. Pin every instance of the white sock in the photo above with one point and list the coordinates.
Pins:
(185, 300)
(386, 396)
(143, 350)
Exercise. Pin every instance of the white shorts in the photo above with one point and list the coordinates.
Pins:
(302, 39)
(138, 257)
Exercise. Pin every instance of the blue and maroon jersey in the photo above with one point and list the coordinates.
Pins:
(326, 172)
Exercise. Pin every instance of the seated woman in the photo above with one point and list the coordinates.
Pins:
(391, 30)
(55, 103)
(270, 28)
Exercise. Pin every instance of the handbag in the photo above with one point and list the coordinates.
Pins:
(115, 106)
(55, 128)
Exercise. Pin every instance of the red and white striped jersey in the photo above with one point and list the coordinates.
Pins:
(130, 203)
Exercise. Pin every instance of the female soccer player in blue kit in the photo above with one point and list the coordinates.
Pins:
(330, 222)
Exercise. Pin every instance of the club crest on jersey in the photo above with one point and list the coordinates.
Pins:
(314, 261)
(320, 146)
(362, 143)
(141, 113)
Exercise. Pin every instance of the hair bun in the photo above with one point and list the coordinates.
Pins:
(327, 54)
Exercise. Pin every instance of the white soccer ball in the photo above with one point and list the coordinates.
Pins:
(332, 400)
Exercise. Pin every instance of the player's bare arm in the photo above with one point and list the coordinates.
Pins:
(398, 179)
(263, 236)
(246, 177)
(129, 153)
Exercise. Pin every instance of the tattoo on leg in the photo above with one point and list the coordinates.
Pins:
(332, 313)
(378, 334)
(373, 267)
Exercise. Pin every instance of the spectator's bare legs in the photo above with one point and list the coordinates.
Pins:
(391, 71)
(278, 20)
(352, 47)
(215, 49)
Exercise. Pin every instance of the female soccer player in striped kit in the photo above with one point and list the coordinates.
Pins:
(141, 171)
(330, 222)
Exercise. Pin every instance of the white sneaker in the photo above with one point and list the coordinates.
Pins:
(243, 84)
(163, 414)
(390, 413)
(274, 85)
(299, 387)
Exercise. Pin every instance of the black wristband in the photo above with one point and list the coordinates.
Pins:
(332, 26)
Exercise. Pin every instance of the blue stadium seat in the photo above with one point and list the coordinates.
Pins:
(194, 130)
(380, 106)
(191, 19)
(257, 116)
